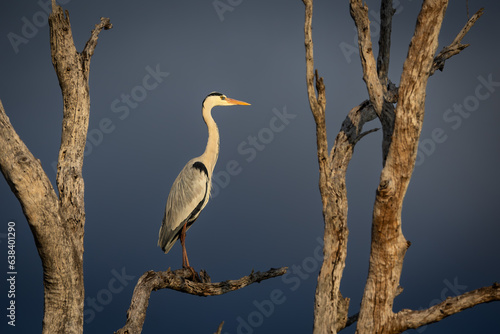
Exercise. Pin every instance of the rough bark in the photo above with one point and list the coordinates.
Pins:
(179, 280)
(410, 319)
(401, 125)
(388, 246)
(330, 309)
(359, 14)
(57, 223)
(456, 46)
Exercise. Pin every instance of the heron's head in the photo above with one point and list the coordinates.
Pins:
(217, 99)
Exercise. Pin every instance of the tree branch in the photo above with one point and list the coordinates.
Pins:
(389, 89)
(72, 69)
(384, 42)
(456, 46)
(94, 35)
(359, 14)
(178, 280)
(331, 308)
(219, 329)
(409, 319)
(330, 311)
(27, 180)
(388, 246)
(316, 103)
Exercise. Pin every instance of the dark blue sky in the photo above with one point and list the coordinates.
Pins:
(149, 75)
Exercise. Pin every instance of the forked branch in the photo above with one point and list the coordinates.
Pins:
(179, 280)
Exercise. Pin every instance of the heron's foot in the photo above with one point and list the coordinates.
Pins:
(194, 275)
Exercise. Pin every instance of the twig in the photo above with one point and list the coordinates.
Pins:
(89, 48)
(317, 102)
(456, 46)
(361, 135)
(219, 329)
(351, 320)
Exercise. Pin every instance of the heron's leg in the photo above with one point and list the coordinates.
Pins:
(185, 261)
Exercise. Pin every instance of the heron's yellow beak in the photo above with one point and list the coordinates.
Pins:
(235, 102)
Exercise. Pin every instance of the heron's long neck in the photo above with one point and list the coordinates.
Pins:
(212, 150)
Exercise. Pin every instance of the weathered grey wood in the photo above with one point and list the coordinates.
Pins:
(408, 319)
(403, 126)
(456, 46)
(57, 222)
(359, 13)
(384, 42)
(388, 246)
(219, 329)
(179, 280)
(330, 308)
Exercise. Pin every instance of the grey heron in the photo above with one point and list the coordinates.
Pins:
(191, 189)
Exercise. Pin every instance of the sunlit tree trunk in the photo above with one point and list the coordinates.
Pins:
(57, 222)
(401, 131)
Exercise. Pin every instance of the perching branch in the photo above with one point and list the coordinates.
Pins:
(178, 280)
(409, 319)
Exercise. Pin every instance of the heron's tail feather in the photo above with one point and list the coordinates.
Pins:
(167, 237)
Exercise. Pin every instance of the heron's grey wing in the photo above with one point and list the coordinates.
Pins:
(188, 195)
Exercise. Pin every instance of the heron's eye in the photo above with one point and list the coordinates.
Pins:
(222, 97)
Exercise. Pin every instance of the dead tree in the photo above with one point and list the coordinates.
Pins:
(179, 280)
(57, 220)
(401, 130)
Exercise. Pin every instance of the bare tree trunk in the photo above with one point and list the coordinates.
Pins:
(388, 245)
(57, 224)
(330, 308)
(401, 131)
